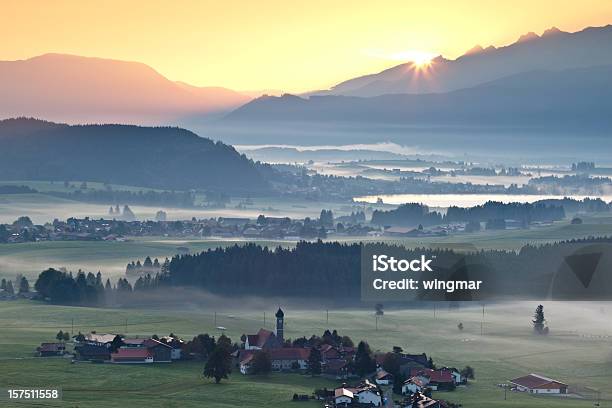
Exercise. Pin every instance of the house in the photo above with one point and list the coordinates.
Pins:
(285, 359)
(343, 397)
(537, 384)
(457, 377)
(245, 364)
(282, 359)
(160, 352)
(336, 368)
(383, 378)
(51, 349)
(412, 386)
(264, 339)
(437, 380)
(132, 355)
(101, 338)
(176, 344)
(329, 352)
(365, 393)
(418, 400)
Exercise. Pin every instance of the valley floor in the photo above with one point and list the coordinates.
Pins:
(578, 351)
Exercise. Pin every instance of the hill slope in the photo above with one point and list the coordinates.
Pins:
(77, 89)
(166, 158)
(554, 50)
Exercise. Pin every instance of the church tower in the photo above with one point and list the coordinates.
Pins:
(280, 322)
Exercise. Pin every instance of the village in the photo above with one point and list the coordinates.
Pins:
(364, 378)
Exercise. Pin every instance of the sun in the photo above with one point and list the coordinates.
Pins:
(420, 58)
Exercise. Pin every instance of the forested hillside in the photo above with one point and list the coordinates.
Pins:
(157, 157)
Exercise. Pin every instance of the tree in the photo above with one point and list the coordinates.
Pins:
(398, 383)
(80, 337)
(66, 336)
(3, 284)
(468, 373)
(24, 285)
(219, 364)
(60, 336)
(379, 309)
(262, 363)
(364, 364)
(391, 363)
(9, 288)
(539, 321)
(460, 326)
(116, 343)
(347, 342)
(314, 362)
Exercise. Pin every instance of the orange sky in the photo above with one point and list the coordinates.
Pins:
(268, 44)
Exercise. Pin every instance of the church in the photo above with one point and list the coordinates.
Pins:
(281, 358)
(266, 339)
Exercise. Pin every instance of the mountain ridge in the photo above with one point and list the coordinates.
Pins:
(76, 89)
(555, 49)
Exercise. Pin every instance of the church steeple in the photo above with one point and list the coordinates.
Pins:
(280, 320)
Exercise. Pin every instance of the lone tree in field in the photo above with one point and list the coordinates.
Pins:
(539, 321)
(468, 373)
(379, 309)
(314, 362)
(262, 363)
(219, 363)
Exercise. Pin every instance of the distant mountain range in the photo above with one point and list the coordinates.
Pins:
(576, 98)
(553, 50)
(557, 81)
(73, 89)
(157, 157)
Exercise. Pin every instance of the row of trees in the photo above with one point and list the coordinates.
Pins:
(420, 214)
(251, 269)
(23, 286)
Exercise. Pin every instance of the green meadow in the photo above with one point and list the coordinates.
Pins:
(500, 346)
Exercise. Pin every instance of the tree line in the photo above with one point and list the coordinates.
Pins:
(310, 270)
(419, 214)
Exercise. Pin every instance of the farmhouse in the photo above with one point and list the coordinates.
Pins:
(537, 384)
(51, 349)
(287, 358)
(132, 355)
(160, 352)
(282, 359)
(437, 380)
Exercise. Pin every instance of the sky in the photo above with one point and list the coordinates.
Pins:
(293, 46)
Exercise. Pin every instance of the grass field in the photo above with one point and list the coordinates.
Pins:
(578, 351)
